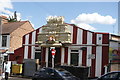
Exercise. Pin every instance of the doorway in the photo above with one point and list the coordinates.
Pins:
(57, 58)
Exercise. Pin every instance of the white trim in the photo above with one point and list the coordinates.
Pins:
(89, 45)
(80, 58)
(89, 52)
(99, 41)
(89, 37)
(69, 57)
(79, 54)
(62, 55)
(26, 47)
(98, 57)
(8, 41)
(98, 61)
(46, 57)
(79, 36)
(33, 42)
(89, 48)
(71, 30)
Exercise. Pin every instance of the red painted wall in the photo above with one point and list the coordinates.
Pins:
(17, 56)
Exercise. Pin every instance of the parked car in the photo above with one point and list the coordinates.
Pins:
(53, 74)
(110, 76)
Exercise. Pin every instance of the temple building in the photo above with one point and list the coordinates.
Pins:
(74, 46)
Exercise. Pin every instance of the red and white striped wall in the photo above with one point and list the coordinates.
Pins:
(95, 43)
(29, 44)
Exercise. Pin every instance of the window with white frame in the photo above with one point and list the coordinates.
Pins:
(74, 57)
(4, 41)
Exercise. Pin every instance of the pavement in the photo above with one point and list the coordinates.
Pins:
(18, 78)
(28, 78)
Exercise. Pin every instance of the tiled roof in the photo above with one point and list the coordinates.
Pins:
(9, 27)
(3, 16)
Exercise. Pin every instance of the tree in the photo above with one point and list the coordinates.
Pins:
(13, 18)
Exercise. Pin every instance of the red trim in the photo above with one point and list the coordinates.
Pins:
(93, 52)
(30, 38)
(84, 52)
(29, 52)
(105, 39)
(93, 38)
(84, 37)
(84, 57)
(66, 55)
(29, 47)
(36, 37)
(93, 62)
(75, 29)
(105, 57)
(60, 56)
(101, 33)
(43, 56)
(23, 51)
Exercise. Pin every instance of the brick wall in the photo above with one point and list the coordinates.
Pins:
(16, 36)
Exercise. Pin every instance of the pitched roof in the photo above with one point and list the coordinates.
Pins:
(3, 16)
(9, 27)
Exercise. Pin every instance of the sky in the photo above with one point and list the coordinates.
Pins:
(93, 16)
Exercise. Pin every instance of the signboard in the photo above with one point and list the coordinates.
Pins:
(91, 56)
(53, 51)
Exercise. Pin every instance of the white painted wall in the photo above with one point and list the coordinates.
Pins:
(98, 57)
(26, 47)
(33, 42)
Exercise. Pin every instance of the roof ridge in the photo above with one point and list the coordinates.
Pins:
(16, 22)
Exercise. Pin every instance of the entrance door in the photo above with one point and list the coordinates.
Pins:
(57, 59)
(74, 59)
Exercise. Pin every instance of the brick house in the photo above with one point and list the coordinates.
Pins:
(11, 34)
